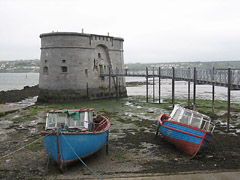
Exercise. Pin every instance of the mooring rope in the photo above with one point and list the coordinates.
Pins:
(20, 148)
(80, 158)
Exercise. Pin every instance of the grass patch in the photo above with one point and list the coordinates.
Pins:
(121, 155)
(103, 88)
(34, 110)
(25, 118)
(112, 105)
(36, 145)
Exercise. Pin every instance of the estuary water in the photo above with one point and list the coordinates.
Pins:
(13, 81)
(17, 81)
(181, 90)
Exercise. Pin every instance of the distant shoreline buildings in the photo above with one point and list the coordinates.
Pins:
(21, 66)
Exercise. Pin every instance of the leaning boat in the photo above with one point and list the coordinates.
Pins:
(74, 134)
(188, 130)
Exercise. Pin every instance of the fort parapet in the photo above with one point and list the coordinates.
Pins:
(71, 63)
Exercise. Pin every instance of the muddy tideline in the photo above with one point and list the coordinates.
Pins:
(133, 147)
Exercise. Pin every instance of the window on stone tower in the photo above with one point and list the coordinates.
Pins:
(64, 68)
(45, 70)
(63, 61)
(99, 55)
(86, 72)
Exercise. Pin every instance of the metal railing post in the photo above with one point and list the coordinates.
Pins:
(173, 86)
(146, 84)
(229, 98)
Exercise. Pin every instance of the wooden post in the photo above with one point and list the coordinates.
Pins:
(189, 86)
(229, 98)
(119, 88)
(117, 95)
(87, 91)
(159, 85)
(146, 84)
(213, 90)
(173, 86)
(194, 88)
(116, 84)
(107, 142)
(153, 86)
(109, 83)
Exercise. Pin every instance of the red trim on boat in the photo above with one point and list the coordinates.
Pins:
(162, 116)
(189, 148)
(159, 119)
(187, 126)
(184, 132)
(203, 138)
(73, 133)
(165, 116)
(80, 110)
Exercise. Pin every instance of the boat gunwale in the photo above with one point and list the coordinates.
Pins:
(78, 133)
(181, 124)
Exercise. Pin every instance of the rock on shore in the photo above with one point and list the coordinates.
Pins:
(18, 95)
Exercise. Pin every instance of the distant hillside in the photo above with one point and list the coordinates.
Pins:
(34, 65)
(20, 66)
(203, 65)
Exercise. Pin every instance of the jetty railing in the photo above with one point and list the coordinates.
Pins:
(218, 77)
(229, 78)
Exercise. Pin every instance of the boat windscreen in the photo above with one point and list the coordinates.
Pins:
(191, 118)
(175, 116)
(51, 120)
(186, 117)
(55, 120)
(196, 121)
(90, 116)
(61, 119)
(69, 119)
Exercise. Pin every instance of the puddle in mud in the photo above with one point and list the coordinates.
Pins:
(24, 103)
(146, 148)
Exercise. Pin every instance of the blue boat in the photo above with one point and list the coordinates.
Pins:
(74, 134)
(188, 130)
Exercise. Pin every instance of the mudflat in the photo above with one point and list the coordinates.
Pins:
(134, 150)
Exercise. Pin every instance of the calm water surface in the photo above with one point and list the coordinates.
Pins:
(10, 81)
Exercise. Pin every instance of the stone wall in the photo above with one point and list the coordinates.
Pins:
(73, 61)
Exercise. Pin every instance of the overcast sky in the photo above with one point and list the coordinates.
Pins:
(153, 30)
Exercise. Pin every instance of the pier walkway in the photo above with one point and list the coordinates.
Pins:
(218, 77)
(229, 78)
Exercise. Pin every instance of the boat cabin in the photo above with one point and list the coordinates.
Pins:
(73, 119)
(192, 118)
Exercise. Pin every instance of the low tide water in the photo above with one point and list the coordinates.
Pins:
(181, 90)
(17, 81)
(12, 81)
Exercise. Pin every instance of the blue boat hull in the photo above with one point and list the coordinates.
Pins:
(73, 145)
(186, 138)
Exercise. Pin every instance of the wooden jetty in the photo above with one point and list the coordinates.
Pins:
(218, 77)
(229, 78)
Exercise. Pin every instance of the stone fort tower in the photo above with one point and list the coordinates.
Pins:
(71, 63)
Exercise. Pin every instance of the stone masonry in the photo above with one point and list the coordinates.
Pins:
(71, 64)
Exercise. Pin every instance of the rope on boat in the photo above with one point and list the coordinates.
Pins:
(81, 159)
(20, 148)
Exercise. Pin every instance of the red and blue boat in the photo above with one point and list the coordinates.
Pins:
(73, 134)
(188, 130)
